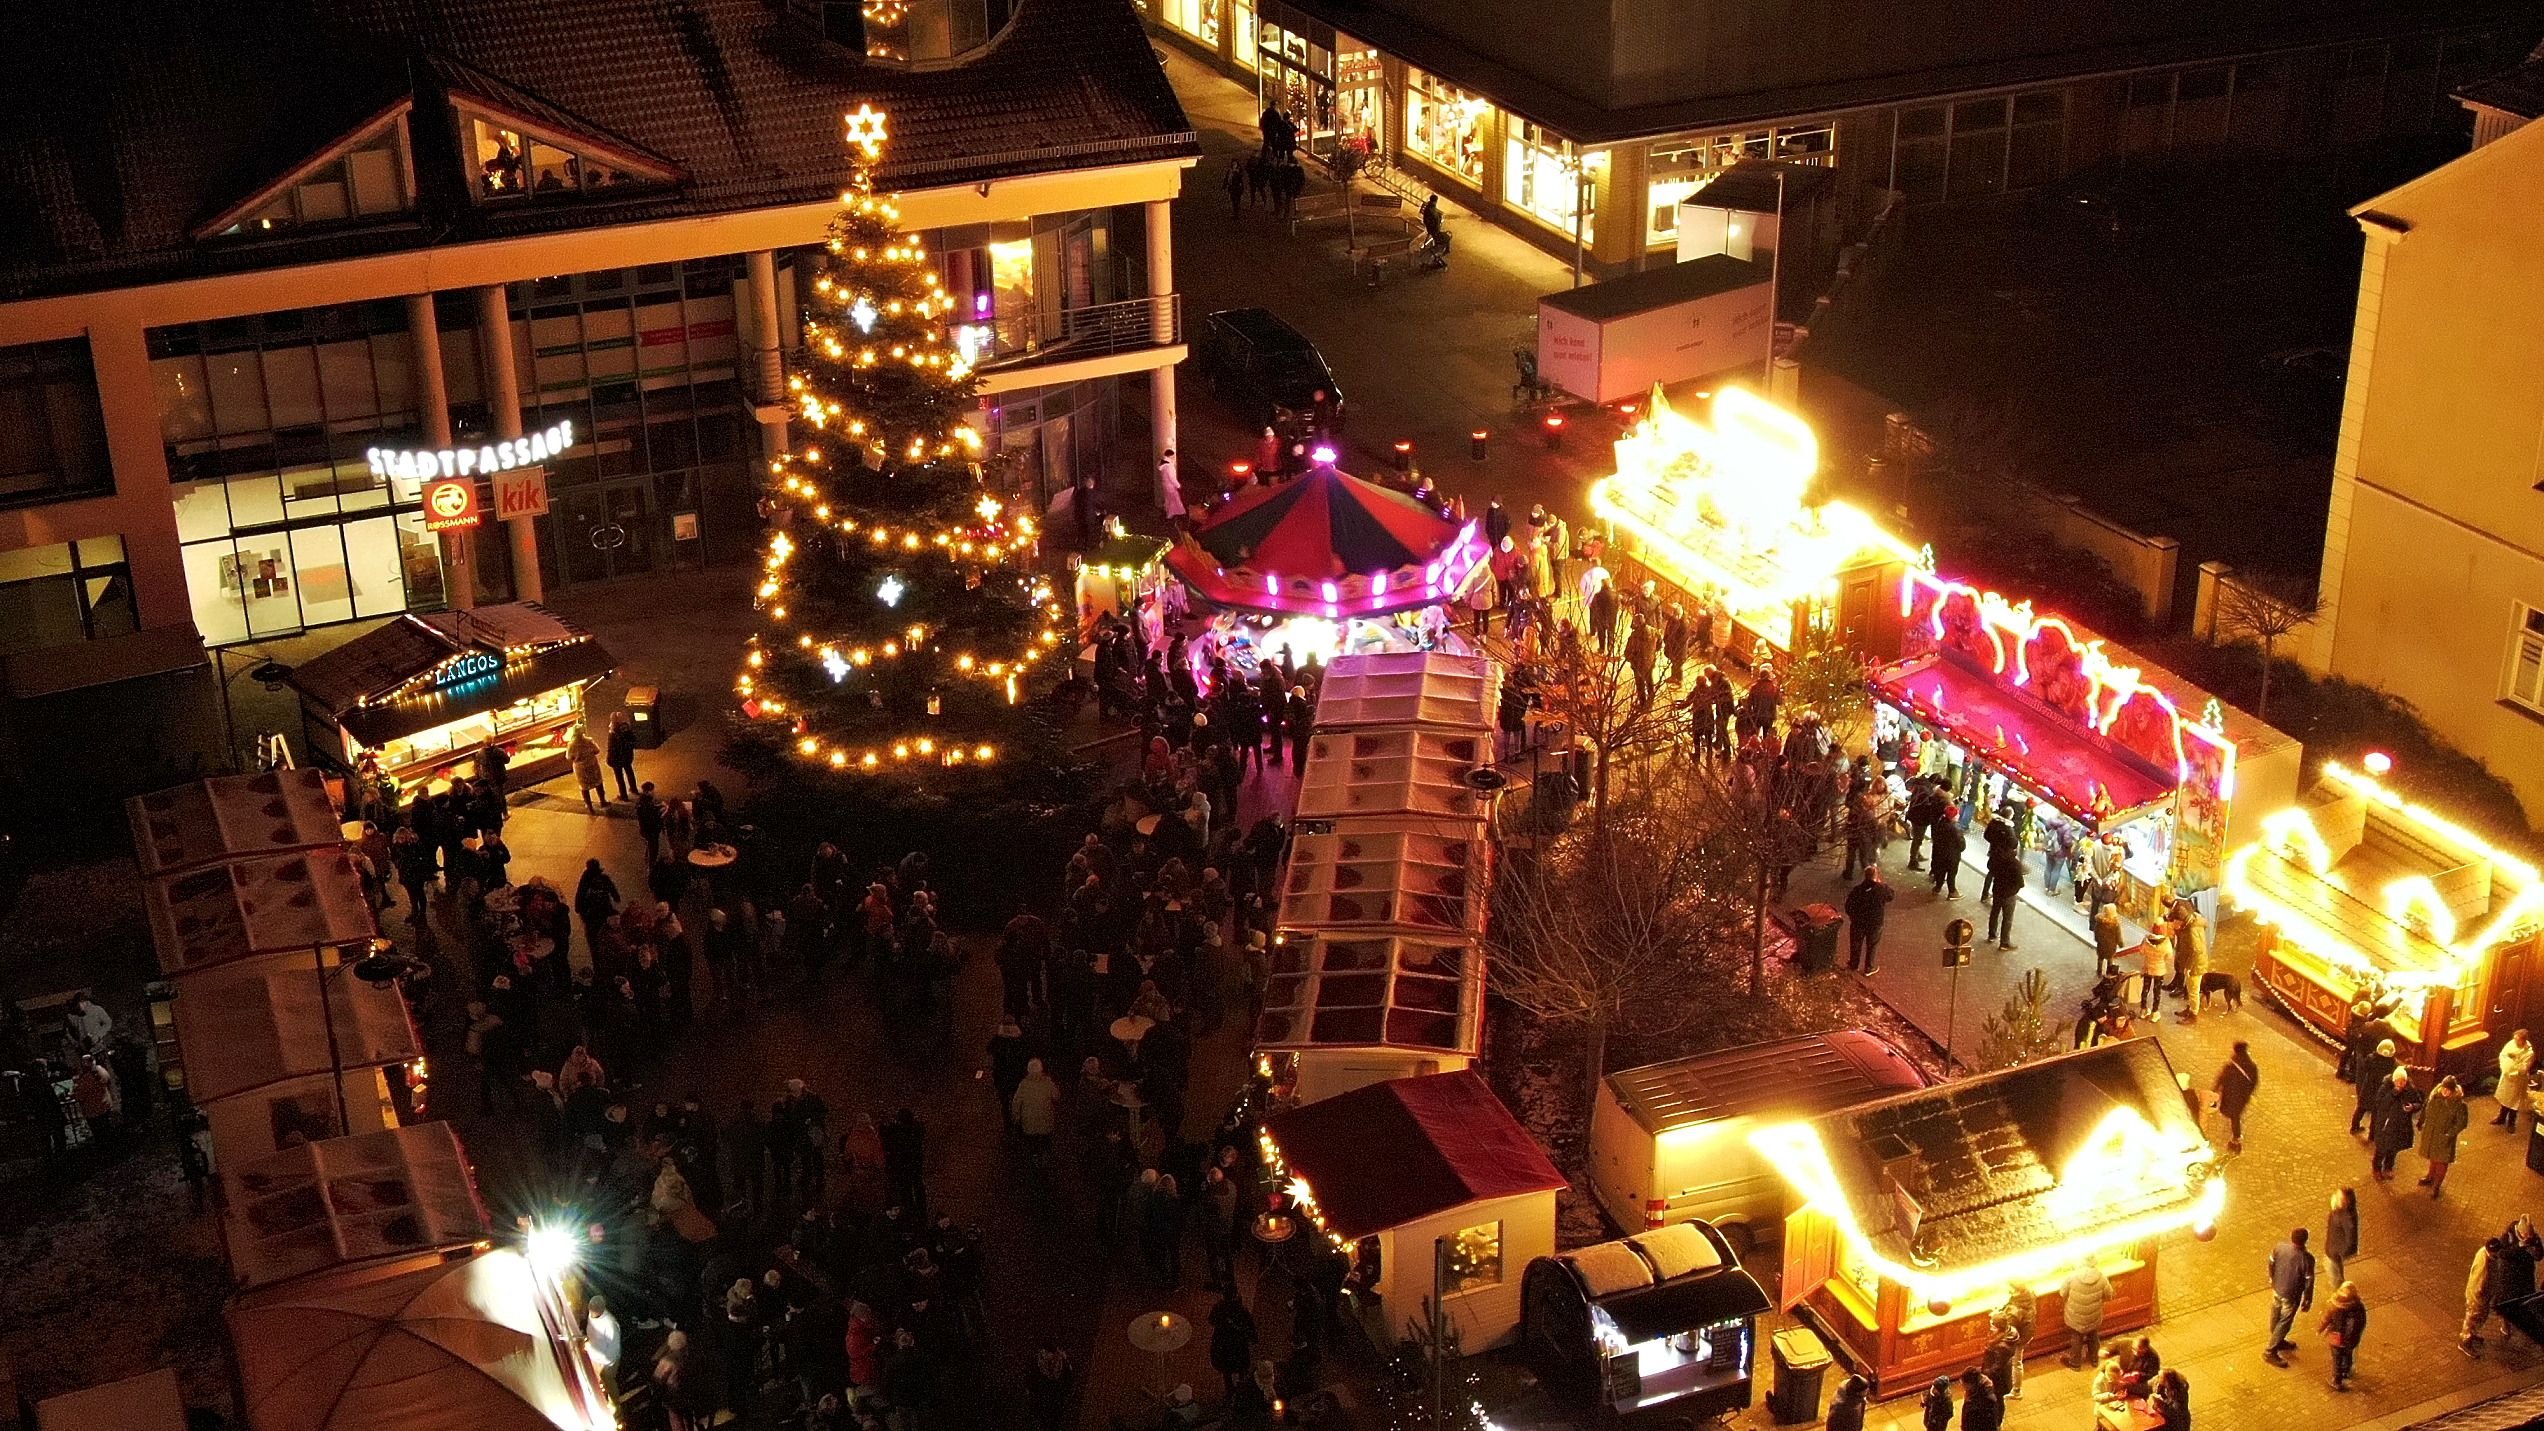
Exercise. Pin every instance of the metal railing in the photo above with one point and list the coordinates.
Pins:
(1072, 333)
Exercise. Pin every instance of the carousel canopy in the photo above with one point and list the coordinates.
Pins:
(1409, 1148)
(448, 1346)
(1381, 873)
(231, 816)
(1404, 771)
(277, 904)
(1374, 990)
(1328, 544)
(342, 1202)
(1409, 688)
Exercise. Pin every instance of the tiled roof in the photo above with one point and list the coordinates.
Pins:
(125, 124)
(2519, 91)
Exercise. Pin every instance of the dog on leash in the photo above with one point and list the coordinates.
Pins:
(2226, 984)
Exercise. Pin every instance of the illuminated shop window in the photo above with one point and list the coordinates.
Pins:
(366, 180)
(1475, 1257)
(1542, 177)
(1445, 125)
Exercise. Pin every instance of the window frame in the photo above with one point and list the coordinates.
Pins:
(2526, 650)
(394, 122)
(47, 368)
(589, 154)
(109, 561)
(1460, 1283)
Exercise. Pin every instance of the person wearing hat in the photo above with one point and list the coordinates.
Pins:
(2374, 1071)
(2392, 1125)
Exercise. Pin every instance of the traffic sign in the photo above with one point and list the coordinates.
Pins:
(1956, 943)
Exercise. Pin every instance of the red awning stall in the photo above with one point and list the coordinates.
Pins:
(2094, 782)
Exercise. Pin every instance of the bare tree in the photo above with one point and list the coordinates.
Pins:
(1754, 816)
(1608, 711)
(2263, 607)
(1605, 929)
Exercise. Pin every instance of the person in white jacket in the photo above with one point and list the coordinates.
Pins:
(2516, 1092)
(2083, 1297)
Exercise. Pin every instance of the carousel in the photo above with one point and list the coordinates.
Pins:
(1325, 565)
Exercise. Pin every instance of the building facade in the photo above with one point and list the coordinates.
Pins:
(2433, 562)
(1587, 134)
(216, 311)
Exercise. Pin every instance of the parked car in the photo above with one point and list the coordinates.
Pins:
(1269, 371)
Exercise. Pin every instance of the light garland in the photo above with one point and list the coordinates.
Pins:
(1300, 1194)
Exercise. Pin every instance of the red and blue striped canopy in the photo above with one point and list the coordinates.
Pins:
(1328, 544)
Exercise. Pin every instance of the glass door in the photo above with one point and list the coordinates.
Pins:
(605, 530)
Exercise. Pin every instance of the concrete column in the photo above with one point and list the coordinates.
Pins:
(1161, 327)
(768, 366)
(503, 400)
(145, 511)
(432, 404)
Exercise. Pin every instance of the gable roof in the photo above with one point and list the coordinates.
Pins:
(1409, 1148)
(2518, 91)
(126, 124)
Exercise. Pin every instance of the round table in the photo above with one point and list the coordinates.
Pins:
(1131, 1028)
(1161, 1334)
(713, 857)
(1126, 1096)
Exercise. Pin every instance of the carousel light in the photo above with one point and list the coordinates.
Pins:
(1323, 455)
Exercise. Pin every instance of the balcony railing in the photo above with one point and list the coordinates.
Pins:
(1074, 333)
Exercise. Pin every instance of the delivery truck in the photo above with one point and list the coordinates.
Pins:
(1670, 1141)
(1690, 320)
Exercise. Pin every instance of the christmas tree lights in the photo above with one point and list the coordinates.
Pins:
(899, 626)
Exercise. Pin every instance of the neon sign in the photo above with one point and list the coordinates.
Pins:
(467, 668)
(419, 464)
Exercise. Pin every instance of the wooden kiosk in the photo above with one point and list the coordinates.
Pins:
(2363, 891)
(1918, 1213)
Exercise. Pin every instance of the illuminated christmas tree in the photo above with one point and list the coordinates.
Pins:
(900, 626)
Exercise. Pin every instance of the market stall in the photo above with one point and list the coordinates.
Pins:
(272, 1066)
(1403, 770)
(1116, 575)
(1663, 1323)
(481, 1340)
(1342, 1011)
(1724, 514)
(2362, 892)
(337, 1203)
(1325, 565)
(1386, 873)
(1410, 688)
(417, 699)
(230, 817)
(1428, 1185)
(1920, 1212)
(280, 904)
(2008, 704)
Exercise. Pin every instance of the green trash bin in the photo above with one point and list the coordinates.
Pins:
(1816, 928)
(1802, 1364)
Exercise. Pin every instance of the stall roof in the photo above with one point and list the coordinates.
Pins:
(1668, 1280)
(522, 678)
(1376, 990)
(231, 816)
(446, 1346)
(1410, 688)
(377, 662)
(2088, 777)
(1786, 1078)
(1403, 771)
(2019, 1162)
(250, 1024)
(1763, 186)
(148, 1402)
(342, 1202)
(281, 903)
(1409, 1148)
(1383, 873)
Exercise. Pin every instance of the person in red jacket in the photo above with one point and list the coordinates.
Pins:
(865, 1349)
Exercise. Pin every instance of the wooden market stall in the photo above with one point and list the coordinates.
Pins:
(1390, 872)
(298, 903)
(1726, 511)
(272, 1068)
(2362, 892)
(1116, 574)
(1663, 1323)
(1422, 1182)
(232, 817)
(1919, 1212)
(416, 700)
(1396, 689)
(1395, 771)
(1342, 1010)
(361, 1200)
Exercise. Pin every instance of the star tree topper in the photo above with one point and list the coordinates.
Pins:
(865, 129)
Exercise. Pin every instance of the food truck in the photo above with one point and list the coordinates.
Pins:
(416, 700)
(1660, 1324)
(2364, 893)
(1918, 1213)
(1723, 513)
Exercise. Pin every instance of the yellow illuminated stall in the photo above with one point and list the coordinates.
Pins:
(415, 701)
(1919, 1213)
(1722, 510)
(2364, 892)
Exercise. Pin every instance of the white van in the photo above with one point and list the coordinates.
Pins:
(1670, 1141)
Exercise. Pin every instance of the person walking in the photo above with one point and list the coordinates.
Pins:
(1949, 841)
(2236, 1080)
(2515, 1092)
(587, 771)
(2442, 1118)
(1867, 905)
(1036, 1108)
(2482, 1280)
(2005, 887)
(2391, 1125)
(2374, 1071)
(2190, 951)
(2342, 1324)
(2155, 969)
(622, 754)
(2341, 1232)
(2291, 1292)
(1231, 1340)
(2083, 1298)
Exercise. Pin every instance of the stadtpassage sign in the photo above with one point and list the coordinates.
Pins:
(423, 464)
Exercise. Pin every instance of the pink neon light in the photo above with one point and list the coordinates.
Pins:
(1378, 584)
(1271, 584)
(1329, 591)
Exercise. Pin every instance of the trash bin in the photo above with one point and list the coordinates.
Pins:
(644, 712)
(1815, 933)
(1801, 1367)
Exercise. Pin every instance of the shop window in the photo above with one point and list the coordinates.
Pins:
(2038, 146)
(512, 161)
(1978, 149)
(1475, 1258)
(52, 432)
(1445, 125)
(2199, 106)
(1245, 42)
(2526, 658)
(1542, 177)
(1678, 168)
(69, 591)
(1918, 152)
(367, 179)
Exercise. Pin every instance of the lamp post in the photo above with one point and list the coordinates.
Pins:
(1775, 280)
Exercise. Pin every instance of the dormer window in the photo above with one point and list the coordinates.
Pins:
(368, 174)
(509, 159)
